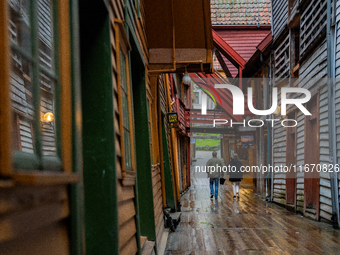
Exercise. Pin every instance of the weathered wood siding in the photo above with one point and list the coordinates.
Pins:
(126, 194)
(312, 77)
(312, 73)
(33, 220)
(337, 41)
(164, 109)
(279, 142)
(337, 86)
(300, 159)
(282, 58)
(279, 17)
(158, 203)
(312, 24)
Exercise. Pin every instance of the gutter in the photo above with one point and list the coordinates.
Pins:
(331, 118)
(266, 106)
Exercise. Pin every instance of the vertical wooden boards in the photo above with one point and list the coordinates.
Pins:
(291, 161)
(311, 184)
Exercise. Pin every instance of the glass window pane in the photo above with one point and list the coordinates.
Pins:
(127, 146)
(125, 109)
(19, 24)
(123, 80)
(149, 128)
(45, 32)
(21, 91)
(197, 98)
(47, 116)
(46, 82)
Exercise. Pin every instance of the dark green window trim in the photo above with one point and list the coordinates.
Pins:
(138, 8)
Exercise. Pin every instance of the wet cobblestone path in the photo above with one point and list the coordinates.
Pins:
(248, 225)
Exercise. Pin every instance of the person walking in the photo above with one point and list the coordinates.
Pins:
(235, 174)
(214, 173)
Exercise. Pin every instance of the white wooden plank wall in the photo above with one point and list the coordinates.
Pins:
(312, 24)
(158, 202)
(282, 58)
(312, 77)
(279, 143)
(312, 74)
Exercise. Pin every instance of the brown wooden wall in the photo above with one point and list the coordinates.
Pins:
(32, 220)
(157, 201)
(126, 194)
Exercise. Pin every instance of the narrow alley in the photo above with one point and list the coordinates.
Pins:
(245, 226)
(108, 108)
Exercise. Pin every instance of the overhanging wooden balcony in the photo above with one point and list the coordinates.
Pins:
(179, 36)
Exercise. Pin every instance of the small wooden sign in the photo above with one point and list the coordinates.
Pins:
(172, 117)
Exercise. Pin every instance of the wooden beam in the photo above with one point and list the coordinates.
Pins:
(65, 80)
(5, 106)
(227, 51)
(223, 64)
(240, 77)
(44, 178)
(164, 55)
(180, 68)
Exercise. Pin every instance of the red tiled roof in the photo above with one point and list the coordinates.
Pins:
(244, 42)
(240, 12)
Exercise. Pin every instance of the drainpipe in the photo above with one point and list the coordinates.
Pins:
(272, 130)
(336, 27)
(331, 122)
(266, 106)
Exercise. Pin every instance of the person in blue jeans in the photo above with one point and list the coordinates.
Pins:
(214, 173)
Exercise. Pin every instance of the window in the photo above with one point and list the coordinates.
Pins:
(125, 111)
(125, 105)
(149, 107)
(197, 97)
(39, 79)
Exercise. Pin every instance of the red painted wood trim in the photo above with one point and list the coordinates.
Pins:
(227, 51)
(188, 163)
(265, 42)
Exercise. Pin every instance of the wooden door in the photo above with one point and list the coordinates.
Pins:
(311, 181)
(291, 162)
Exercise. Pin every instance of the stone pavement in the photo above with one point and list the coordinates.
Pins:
(245, 226)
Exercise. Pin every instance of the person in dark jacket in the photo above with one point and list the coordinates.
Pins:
(214, 175)
(235, 174)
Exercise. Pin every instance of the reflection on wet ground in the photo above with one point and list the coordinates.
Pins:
(245, 226)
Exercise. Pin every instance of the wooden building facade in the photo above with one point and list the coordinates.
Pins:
(300, 60)
(88, 160)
